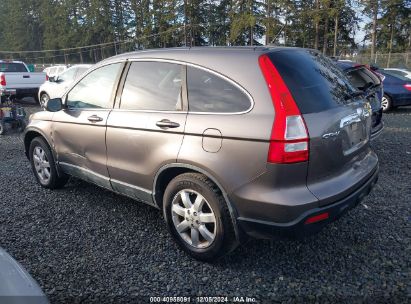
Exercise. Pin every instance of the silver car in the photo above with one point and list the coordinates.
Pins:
(227, 142)
(57, 85)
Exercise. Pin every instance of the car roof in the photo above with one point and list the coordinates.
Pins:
(193, 53)
(11, 61)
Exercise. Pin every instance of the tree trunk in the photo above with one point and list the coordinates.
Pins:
(325, 42)
(267, 31)
(335, 35)
(317, 24)
(374, 27)
(390, 49)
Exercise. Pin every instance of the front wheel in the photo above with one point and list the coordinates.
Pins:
(386, 103)
(2, 128)
(44, 97)
(197, 217)
(44, 166)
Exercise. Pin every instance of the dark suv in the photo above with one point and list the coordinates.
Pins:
(227, 142)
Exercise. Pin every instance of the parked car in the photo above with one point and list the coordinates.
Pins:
(55, 70)
(371, 85)
(400, 72)
(16, 284)
(276, 145)
(57, 85)
(397, 90)
(14, 75)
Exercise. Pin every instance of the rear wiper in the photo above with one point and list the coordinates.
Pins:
(354, 94)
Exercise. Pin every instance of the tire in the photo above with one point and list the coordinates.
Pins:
(44, 97)
(36, 98)
(386, 103)
(2, 128)
(44, 168)
(215, 234)
(22, 125)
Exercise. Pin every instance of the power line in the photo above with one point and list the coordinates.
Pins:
(112, 43)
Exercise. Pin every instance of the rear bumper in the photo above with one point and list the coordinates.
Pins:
(298, 228)
(32, 92)
(377, 130)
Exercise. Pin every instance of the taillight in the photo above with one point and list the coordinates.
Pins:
(407, 86)
(289, 142)
(3, 80)
(47, 77)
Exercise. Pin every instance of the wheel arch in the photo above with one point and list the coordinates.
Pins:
(166, 173)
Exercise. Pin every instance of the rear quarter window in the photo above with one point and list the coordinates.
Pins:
(208, 92)
(315, 82)
(12, 67)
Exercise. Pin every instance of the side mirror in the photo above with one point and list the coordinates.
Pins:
(54, 105)
(52, 79)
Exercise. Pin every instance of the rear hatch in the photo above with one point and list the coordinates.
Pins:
(369, 83)
(337, 118)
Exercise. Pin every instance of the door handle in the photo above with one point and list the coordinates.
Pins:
(165, 124)
(94, 118)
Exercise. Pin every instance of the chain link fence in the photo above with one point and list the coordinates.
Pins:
(393, 60)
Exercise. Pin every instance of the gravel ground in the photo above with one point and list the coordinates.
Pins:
(85, 244)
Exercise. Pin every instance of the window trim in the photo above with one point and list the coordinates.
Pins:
(184, 90)
(113, 93)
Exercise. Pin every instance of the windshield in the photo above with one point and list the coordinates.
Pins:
(8, 67)
(395, 74)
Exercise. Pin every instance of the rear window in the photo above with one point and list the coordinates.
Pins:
(362, 77)
(12, 67)
(208, 92)
(315, 82)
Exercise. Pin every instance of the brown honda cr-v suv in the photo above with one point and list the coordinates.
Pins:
(227, 142)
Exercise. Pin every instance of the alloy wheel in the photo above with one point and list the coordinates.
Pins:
(385, 103)
(41, 164)
(194, 218)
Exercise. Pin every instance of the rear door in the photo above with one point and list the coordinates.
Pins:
(337, 119)
(145, 130)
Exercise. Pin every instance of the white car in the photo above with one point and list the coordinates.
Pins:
(56, 70)
(401, 72)
(56, 86)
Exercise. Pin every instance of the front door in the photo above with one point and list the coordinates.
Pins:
(79, 130)
(145, 131)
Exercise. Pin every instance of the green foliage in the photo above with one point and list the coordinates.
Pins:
(114, 26)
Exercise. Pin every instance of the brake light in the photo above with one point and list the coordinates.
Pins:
(47, 77)
(407, 86)
(289, 137)
(3, 80)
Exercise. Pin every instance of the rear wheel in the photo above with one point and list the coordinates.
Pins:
(197, 217)
(386, 103)
(43, 165)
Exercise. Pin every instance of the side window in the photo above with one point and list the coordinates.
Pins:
(67, 75)
(208, 92)
(153, 86)
(95, 90)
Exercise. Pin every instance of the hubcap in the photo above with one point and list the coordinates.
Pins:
(384, 103)
(41, 164)
(44, 99)
(193, 218)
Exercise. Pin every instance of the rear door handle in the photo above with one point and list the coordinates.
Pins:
(165, 124)
(26, 76)
(94, 118)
